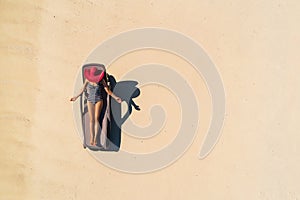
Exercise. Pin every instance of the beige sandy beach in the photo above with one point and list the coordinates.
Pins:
(254, 45)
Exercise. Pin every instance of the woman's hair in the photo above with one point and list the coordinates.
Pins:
(105, 78)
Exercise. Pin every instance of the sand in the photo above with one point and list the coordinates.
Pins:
(252, 43)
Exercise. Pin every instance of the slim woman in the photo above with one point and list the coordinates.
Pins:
(95, 84)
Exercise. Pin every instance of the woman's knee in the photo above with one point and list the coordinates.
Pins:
(92, 120)
(97, 118)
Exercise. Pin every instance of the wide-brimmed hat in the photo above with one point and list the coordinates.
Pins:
(93, 74)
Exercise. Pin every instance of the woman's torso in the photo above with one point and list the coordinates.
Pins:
(95, 91)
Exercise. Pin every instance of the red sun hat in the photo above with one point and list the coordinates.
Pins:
(93, 74)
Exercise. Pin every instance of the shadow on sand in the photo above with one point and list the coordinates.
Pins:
(127, 91)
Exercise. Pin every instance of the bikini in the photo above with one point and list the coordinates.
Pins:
(96, 92)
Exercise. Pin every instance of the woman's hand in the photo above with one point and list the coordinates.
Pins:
(118, 99)
(82, 90)
(73, 98)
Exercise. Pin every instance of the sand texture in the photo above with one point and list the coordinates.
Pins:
(255, 46)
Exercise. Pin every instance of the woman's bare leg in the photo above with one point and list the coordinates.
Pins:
(98, 108)
(91, 108)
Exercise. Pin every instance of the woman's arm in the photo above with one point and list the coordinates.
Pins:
(109, 92)
(80, 93)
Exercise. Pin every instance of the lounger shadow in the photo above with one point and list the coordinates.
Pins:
(126, 90)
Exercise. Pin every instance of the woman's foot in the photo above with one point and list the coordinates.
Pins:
(92, 142)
